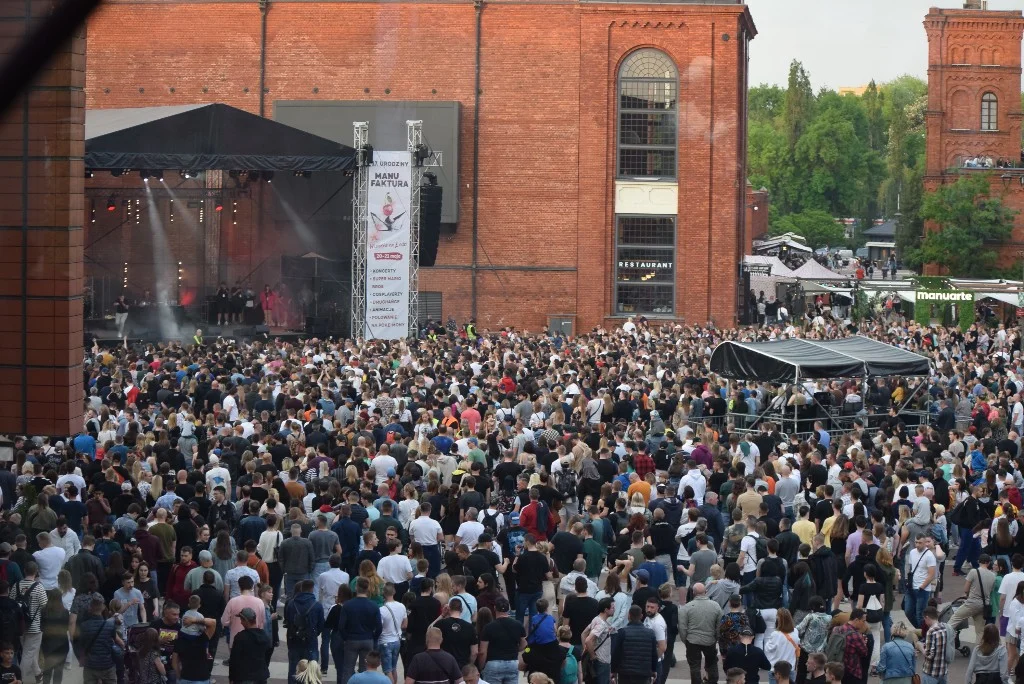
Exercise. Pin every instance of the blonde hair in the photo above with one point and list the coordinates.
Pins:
(308, 672)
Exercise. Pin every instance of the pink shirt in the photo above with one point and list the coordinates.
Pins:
(235, 606)
(471, 416)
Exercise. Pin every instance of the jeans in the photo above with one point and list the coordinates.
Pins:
(525, 603)
(745, 579)
(319, 568)
(299, 652)
(290, 580)
(507, 672)
(887, 626)
(928, 679)
(389, 655)
(432, 552)
(602, 672)
(354, 651)
(915, 601)
(969, 549)
(694, 653)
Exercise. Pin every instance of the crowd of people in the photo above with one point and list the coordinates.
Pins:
(465, 508)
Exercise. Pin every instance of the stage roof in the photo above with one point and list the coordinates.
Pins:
(795, 360)
(204, 137)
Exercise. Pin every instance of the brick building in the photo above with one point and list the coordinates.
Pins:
(610, 145)
(974, 115)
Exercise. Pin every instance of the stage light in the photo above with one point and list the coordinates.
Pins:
(111, 204)
(234, 173)
(116, 172)
(420, 154)
(219, 206)
(252, 175)
(186, 174)
(303, 174)
(268, 176)
(159, 175)
(89, 173)
(144, 175)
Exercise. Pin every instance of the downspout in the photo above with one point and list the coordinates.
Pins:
(479, 7)
(264, 8)
(711, 166)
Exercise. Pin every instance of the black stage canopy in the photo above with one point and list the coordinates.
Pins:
(793, 360)
(204, 137)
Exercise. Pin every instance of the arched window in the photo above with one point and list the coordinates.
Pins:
(989, 112)
(648, 115)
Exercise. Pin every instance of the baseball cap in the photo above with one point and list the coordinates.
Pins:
(391, 472)
(643, 575)
(744, 632)
(513, 518)
(214, 460)
(136, 543)
(5, 548)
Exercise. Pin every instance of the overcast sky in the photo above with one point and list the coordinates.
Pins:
(844, 42)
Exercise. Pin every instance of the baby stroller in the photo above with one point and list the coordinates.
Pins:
(946, 611)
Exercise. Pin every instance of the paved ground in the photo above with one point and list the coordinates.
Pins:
(679, 675)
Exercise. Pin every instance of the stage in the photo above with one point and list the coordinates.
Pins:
(104, 332)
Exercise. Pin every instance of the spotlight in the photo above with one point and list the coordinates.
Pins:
(159, 175)
(188, 174)
(365, 156)
(116, 172)
(254, 176)
(303, 174)
(429, 178)
(219, 206)
(234, 173)
(111, 204)
(89, 173)
(268, 176)
(144, 175)
(420, 154)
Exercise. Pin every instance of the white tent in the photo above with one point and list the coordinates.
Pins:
(812, 270)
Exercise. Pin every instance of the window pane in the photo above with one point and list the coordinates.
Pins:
(656, 128)
(646, 265)
(647, 95)
(640, 162)
(647, 231)
(648, 63)
(650, 299)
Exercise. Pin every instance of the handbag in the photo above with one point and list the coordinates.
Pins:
(403, 639)
(915, 678)
(587, 661)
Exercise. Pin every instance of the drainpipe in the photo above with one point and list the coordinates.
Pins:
(479, 6)
(264, 8)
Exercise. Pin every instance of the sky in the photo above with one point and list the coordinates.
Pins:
(844, 42)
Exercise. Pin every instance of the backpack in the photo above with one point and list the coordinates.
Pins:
(491, 522)
(950, 653)
(760, 546)
(103, 549)
(542, 517)
(570, 669)
(299, 630)
(835, 646)
(565, 481)
(24, 601)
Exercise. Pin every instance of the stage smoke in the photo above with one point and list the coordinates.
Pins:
(302, 229)
(165, 278)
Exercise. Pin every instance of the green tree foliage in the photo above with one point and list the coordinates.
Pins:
(848, 156)
(817, 226)
(970, 221)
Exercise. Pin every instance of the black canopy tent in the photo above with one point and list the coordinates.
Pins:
(793, 360)
(204, 137)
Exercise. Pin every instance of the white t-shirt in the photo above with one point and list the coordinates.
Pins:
(392, 614)
(424, 530)
(327, 586)
(919, 565)
(217, 477)
(469, 532)
(684, 530)
(50, 561)
(749, 548)
(380, 465)
(395, 568)
(231, 408)
(1008, 588)
(407, 511)
(657, 624)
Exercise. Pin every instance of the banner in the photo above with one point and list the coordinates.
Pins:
(387, 246)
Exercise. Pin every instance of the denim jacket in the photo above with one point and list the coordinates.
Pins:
(896, 659)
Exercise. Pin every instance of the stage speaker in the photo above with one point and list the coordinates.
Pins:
(316, 326)
(212, 331)
(430, 223)
(261, 330)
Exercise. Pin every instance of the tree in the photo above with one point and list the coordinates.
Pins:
(874, 105)
(816, 226)
(831, 156)
(798, 106)
(971, 223)
(765, 103)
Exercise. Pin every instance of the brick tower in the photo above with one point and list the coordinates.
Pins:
(974, 112)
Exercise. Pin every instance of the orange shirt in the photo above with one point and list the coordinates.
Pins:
(643, 487)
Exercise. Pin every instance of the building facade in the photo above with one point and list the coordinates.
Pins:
(974, 114)
(601, 152)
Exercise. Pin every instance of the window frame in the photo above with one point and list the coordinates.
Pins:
(669, 250)
(989, 111)
(621, 80)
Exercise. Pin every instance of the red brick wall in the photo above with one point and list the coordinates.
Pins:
(41, 215)
(970, 53)
(547, 124)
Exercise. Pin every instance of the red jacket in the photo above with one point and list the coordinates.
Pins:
(176, 583)
(528, 521)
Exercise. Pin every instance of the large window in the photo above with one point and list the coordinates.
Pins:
(648, 115)
(989, 112)
(645, 271)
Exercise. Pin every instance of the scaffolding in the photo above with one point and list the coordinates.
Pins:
(364, 156)
(418, 153)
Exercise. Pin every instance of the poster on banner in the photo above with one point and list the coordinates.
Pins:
(387, 246)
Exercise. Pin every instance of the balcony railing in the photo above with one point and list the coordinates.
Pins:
(988, 163)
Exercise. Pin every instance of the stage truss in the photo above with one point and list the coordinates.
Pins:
(360, 141)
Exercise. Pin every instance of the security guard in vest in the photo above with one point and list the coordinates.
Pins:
(471, 330)
(197, 339)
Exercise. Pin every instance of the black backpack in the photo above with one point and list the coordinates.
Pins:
(760, 546)
(542, 517)
(11, 627)
(491, 522)
(299, 629)
(24, 601)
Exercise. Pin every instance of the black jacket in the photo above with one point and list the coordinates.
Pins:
(83, 562)
(824, 572)
(243, 666)
(766, 592)
(634, 651)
